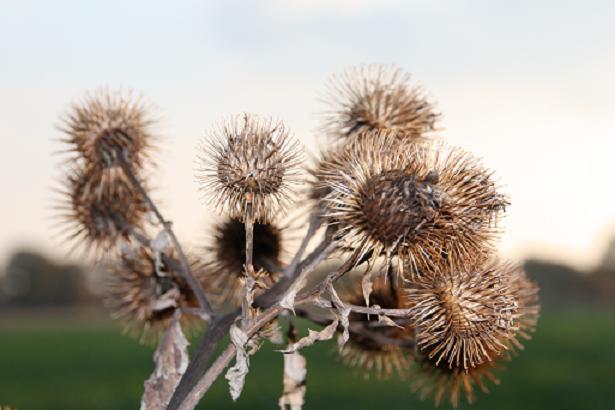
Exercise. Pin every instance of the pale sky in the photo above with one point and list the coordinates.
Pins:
(528, 86)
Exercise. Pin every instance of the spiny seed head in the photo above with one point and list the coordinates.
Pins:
(227, 255)
(143, 297)
(442, 383)
(374, 97)
(464, 318)
(428, 205)
(389, 348)
(99, 213)
(250, 159)
(107, 124)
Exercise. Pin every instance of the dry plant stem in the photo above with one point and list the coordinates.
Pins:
(186, 272)
(249, 268)
(315, 221)
(216, 332)
(201, 387)
(227, 355)
(367, 310)
(219, 327)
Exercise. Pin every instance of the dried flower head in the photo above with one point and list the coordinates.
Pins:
(144, 293)
(430, 206)
(464, 317)
(227, 254)
(373, 345)
(99, 213)
(250, 160)
(441, 383)
(107, 124)
(374, 97)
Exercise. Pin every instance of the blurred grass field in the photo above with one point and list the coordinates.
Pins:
(570, 364)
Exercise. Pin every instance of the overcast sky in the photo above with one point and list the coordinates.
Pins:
(528, 86)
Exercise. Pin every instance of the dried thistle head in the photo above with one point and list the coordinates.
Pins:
(464, 317)
(443, 383)
(374, 346)
(224, 269)
(250, 159)
(98, 213)
(428, 205)
(144, 293)
(468, 324)
(375, 97)
(106, 124)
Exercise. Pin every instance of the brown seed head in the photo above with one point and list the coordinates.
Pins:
(375, 97)
(227, 254)
(465, 317)
(99, 213)
(144, 298)
(442, 383)
(249, 159)
(107, 124)
(431, 206)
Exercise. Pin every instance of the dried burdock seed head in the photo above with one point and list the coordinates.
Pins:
(429, 205)
(107, 124)
(375, 97)
(442, 383)
(143, 295)
(374, 346)
(464, 318)
(250, 160)
(100, 214)
(226, 256)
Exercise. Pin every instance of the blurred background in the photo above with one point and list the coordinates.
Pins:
(527, 86)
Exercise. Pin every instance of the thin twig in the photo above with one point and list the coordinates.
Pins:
(185, 270)
(248, 285)
(370, 310)
(314, 224)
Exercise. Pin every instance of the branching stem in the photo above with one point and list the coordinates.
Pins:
(185, 270)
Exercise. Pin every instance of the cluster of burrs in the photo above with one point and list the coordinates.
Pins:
(422, 218)
(412, 221)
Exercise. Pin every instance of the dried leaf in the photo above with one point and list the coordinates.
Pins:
(288, 301)
(171, 360)
(367, 285)
(313, 337)
(159, 244)
(342, 316)
(294, 382)
(387, 321)
(236, 375)
(165, 301)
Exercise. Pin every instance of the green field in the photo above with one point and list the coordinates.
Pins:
(570, 364)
